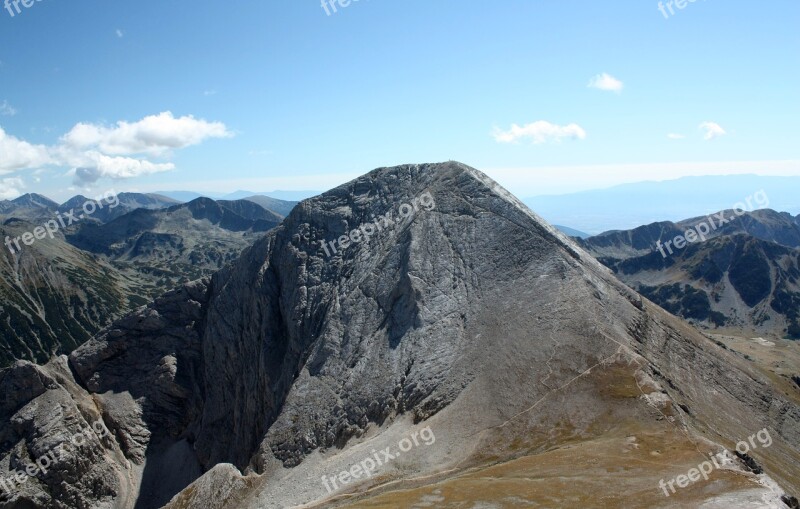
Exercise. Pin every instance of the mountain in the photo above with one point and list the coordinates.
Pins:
(278, 206)
(765, 224)
(106, 209)
(735, 281)
(133, 201)
(292, 196)
(461, 345)
(28, 206)
(31, 200)
(172, 246)
(278, 195)
(571, 232)
(630, 205)
(745, 276)
(186, 196)
(55, 297)
(38, 208)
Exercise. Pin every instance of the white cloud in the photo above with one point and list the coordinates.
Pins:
(18, 154)
(539, 132)
(120, 33)
(713, 130)
(606, 82)
(7, 110)
(89, 167)
(153, 135)
(10, 188)
(94, 151)
(674, 136)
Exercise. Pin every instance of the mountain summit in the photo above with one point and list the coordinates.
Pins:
(414, 301)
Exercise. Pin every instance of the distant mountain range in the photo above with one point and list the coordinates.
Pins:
(281, 202)
(292, 196)
(281, 207)
(36, 207)
(56, 293)
(746, 275)
(178, 244)
(572, 232)
(630, 205)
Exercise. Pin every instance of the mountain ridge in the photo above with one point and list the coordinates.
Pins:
(741, 275)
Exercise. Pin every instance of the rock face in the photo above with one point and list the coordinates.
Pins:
(454, 306)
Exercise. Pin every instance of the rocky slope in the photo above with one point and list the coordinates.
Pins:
(59, 292)
(745, 276)
(54, 297)
(471, 318)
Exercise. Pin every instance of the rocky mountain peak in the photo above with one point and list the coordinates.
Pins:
(414, 295)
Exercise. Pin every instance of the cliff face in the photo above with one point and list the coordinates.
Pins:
(451, 305)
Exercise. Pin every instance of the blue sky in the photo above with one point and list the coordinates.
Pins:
(264, 95)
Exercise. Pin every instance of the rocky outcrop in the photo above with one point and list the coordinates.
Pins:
(126, 381)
